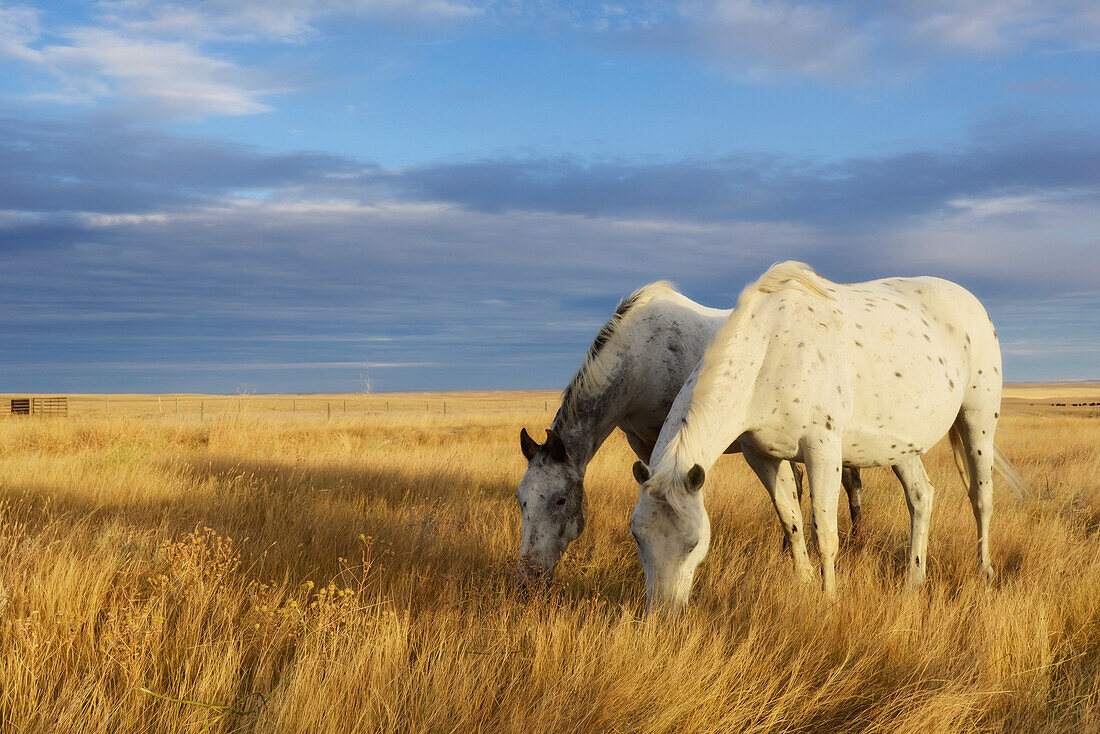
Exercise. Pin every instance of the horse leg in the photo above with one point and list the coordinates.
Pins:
(976, 432)
(798, 488)
(823, 463)
(853, 486)
(778, 478)
(918, 496)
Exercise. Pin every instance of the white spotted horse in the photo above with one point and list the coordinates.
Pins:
(860, 375)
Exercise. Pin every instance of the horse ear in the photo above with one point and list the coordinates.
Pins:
(555, 445)
(527, 445)
(641, 472)
(695, 478)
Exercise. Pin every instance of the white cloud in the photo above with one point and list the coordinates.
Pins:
(1046, 240)
(285, 20)
(756, 39)
(993, 26)
(18, 27)
(151, 54)
(765, 40)
(166, 77)
(171, 75)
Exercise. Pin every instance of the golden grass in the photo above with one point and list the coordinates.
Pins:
(355, 574)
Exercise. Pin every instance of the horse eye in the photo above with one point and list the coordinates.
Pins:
(560, 501)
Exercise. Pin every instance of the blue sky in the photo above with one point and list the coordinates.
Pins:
(228, 196)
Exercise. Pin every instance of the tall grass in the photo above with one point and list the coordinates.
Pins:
(356, 575)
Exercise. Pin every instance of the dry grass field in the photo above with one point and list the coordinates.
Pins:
(274, 570)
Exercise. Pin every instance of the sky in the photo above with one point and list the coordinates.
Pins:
(229, 196)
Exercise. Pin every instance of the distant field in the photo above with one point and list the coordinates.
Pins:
(271, 569)
(1029, 395)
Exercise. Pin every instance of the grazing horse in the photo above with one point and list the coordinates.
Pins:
(628, 380)
(868, 374)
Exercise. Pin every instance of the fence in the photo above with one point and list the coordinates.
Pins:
(204, 407)
(39, 406)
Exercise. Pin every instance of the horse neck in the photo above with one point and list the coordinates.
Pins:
(700, 428)
(586, 424)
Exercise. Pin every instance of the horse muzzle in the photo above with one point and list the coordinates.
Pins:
(530, 573)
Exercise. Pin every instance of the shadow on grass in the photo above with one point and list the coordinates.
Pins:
(296, 521)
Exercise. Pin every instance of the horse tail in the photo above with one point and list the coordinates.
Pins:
(959, 451)
(1001, 465)
(1006, 471)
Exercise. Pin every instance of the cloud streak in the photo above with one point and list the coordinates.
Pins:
(765, 41)
(155, 55)
(498, 282)
(100, 167)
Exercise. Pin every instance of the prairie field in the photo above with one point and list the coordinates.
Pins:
(348, 565)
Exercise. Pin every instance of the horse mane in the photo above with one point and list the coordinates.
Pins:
(596, 368)
(789, 275)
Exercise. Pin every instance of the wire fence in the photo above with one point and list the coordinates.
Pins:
(323, 406)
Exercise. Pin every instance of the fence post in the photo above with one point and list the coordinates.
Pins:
(295, 405)
(202, 410)
(329, 406)
(108, 405)
(177, 405)
(444, 407)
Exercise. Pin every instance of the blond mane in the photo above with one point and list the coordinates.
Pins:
(709, 382)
